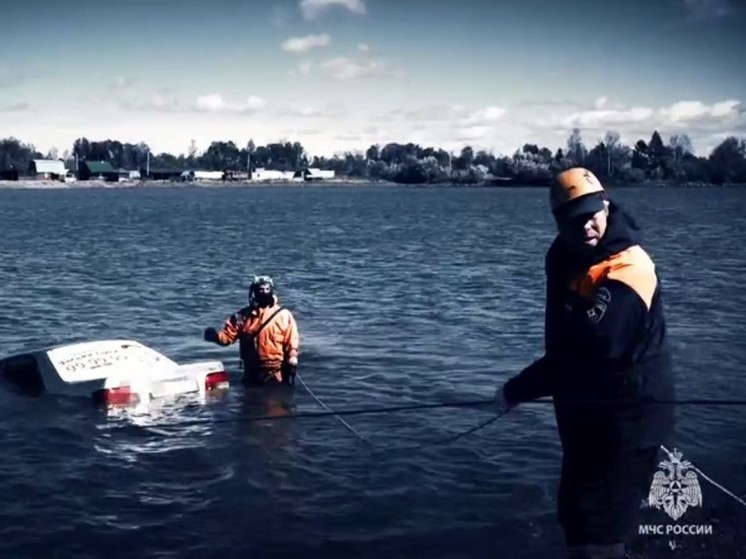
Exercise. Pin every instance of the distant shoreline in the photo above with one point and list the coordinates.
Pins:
(36, 184)
(100, 184)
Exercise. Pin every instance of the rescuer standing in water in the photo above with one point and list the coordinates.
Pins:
(605, 343)
(267, 334)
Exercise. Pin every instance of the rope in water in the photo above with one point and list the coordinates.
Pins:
(460, 404)
(437, 405)
(414, 447)
(496, 417)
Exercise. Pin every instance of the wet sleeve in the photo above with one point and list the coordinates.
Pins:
(610, 321)
(292, 339)
(228, 334)
(535, 381)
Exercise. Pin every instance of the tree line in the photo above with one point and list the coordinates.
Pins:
(610, 159)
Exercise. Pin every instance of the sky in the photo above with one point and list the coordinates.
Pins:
(341, 75)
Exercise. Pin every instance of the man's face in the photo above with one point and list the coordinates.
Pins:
(263, 290)
(584, 231)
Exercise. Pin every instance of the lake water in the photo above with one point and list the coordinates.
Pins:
(372, 275)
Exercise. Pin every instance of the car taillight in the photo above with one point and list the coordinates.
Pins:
(117, 396)
(216, 380)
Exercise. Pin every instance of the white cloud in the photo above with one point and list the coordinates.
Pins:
(212, 103)
(333, 111)
(606, 117)
(684, 111)
(544, 103)
(164, 120)
(470, 133)
(478, 125)
(600, 102)
(215, 103)
(323, 128)
(362, 47)
(681, 112)
(446, 126)
(705, 124)
(431, 114)
(347, 68)
(305, 44)
(304, 112)
(453, 121)
(313, 8)
(486, 115)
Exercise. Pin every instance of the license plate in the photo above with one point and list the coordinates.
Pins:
(171, 387)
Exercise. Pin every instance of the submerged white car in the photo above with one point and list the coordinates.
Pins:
(111, 373)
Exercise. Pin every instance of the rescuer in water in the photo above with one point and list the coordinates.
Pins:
(605, 341)
(267, 334)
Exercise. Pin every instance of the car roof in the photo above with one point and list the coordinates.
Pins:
(82, 344)
(85, 360)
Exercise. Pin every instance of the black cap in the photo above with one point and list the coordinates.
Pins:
(584, 205)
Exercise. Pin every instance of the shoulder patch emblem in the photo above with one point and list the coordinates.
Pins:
(601, 299)
(603, 294)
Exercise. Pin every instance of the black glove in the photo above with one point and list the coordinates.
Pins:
(288, 373)
(211, 335)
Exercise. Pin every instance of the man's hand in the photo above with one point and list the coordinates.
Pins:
(211, 335)
(501, 403)
(290, 369)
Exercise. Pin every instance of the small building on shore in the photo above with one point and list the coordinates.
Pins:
(101, 170)
(128, 175)
(262, 174)
(47, 169)
(232, 175)
(314, 174)
(202, 176)
(162, 173)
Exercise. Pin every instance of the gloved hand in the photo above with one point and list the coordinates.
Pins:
(289, 370)
(211, 335)
(501, 403)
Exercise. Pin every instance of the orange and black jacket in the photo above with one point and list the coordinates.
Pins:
(605, 340)
(275, 343)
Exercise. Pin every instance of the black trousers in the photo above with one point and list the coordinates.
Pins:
(601, 491)
(256, 376)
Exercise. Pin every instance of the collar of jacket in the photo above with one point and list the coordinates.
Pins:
(257, 311)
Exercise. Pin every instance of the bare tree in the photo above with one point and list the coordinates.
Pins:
(681, 145)
(611, 141)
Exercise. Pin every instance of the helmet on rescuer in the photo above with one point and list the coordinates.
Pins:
(576, 192)
(261, 291)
